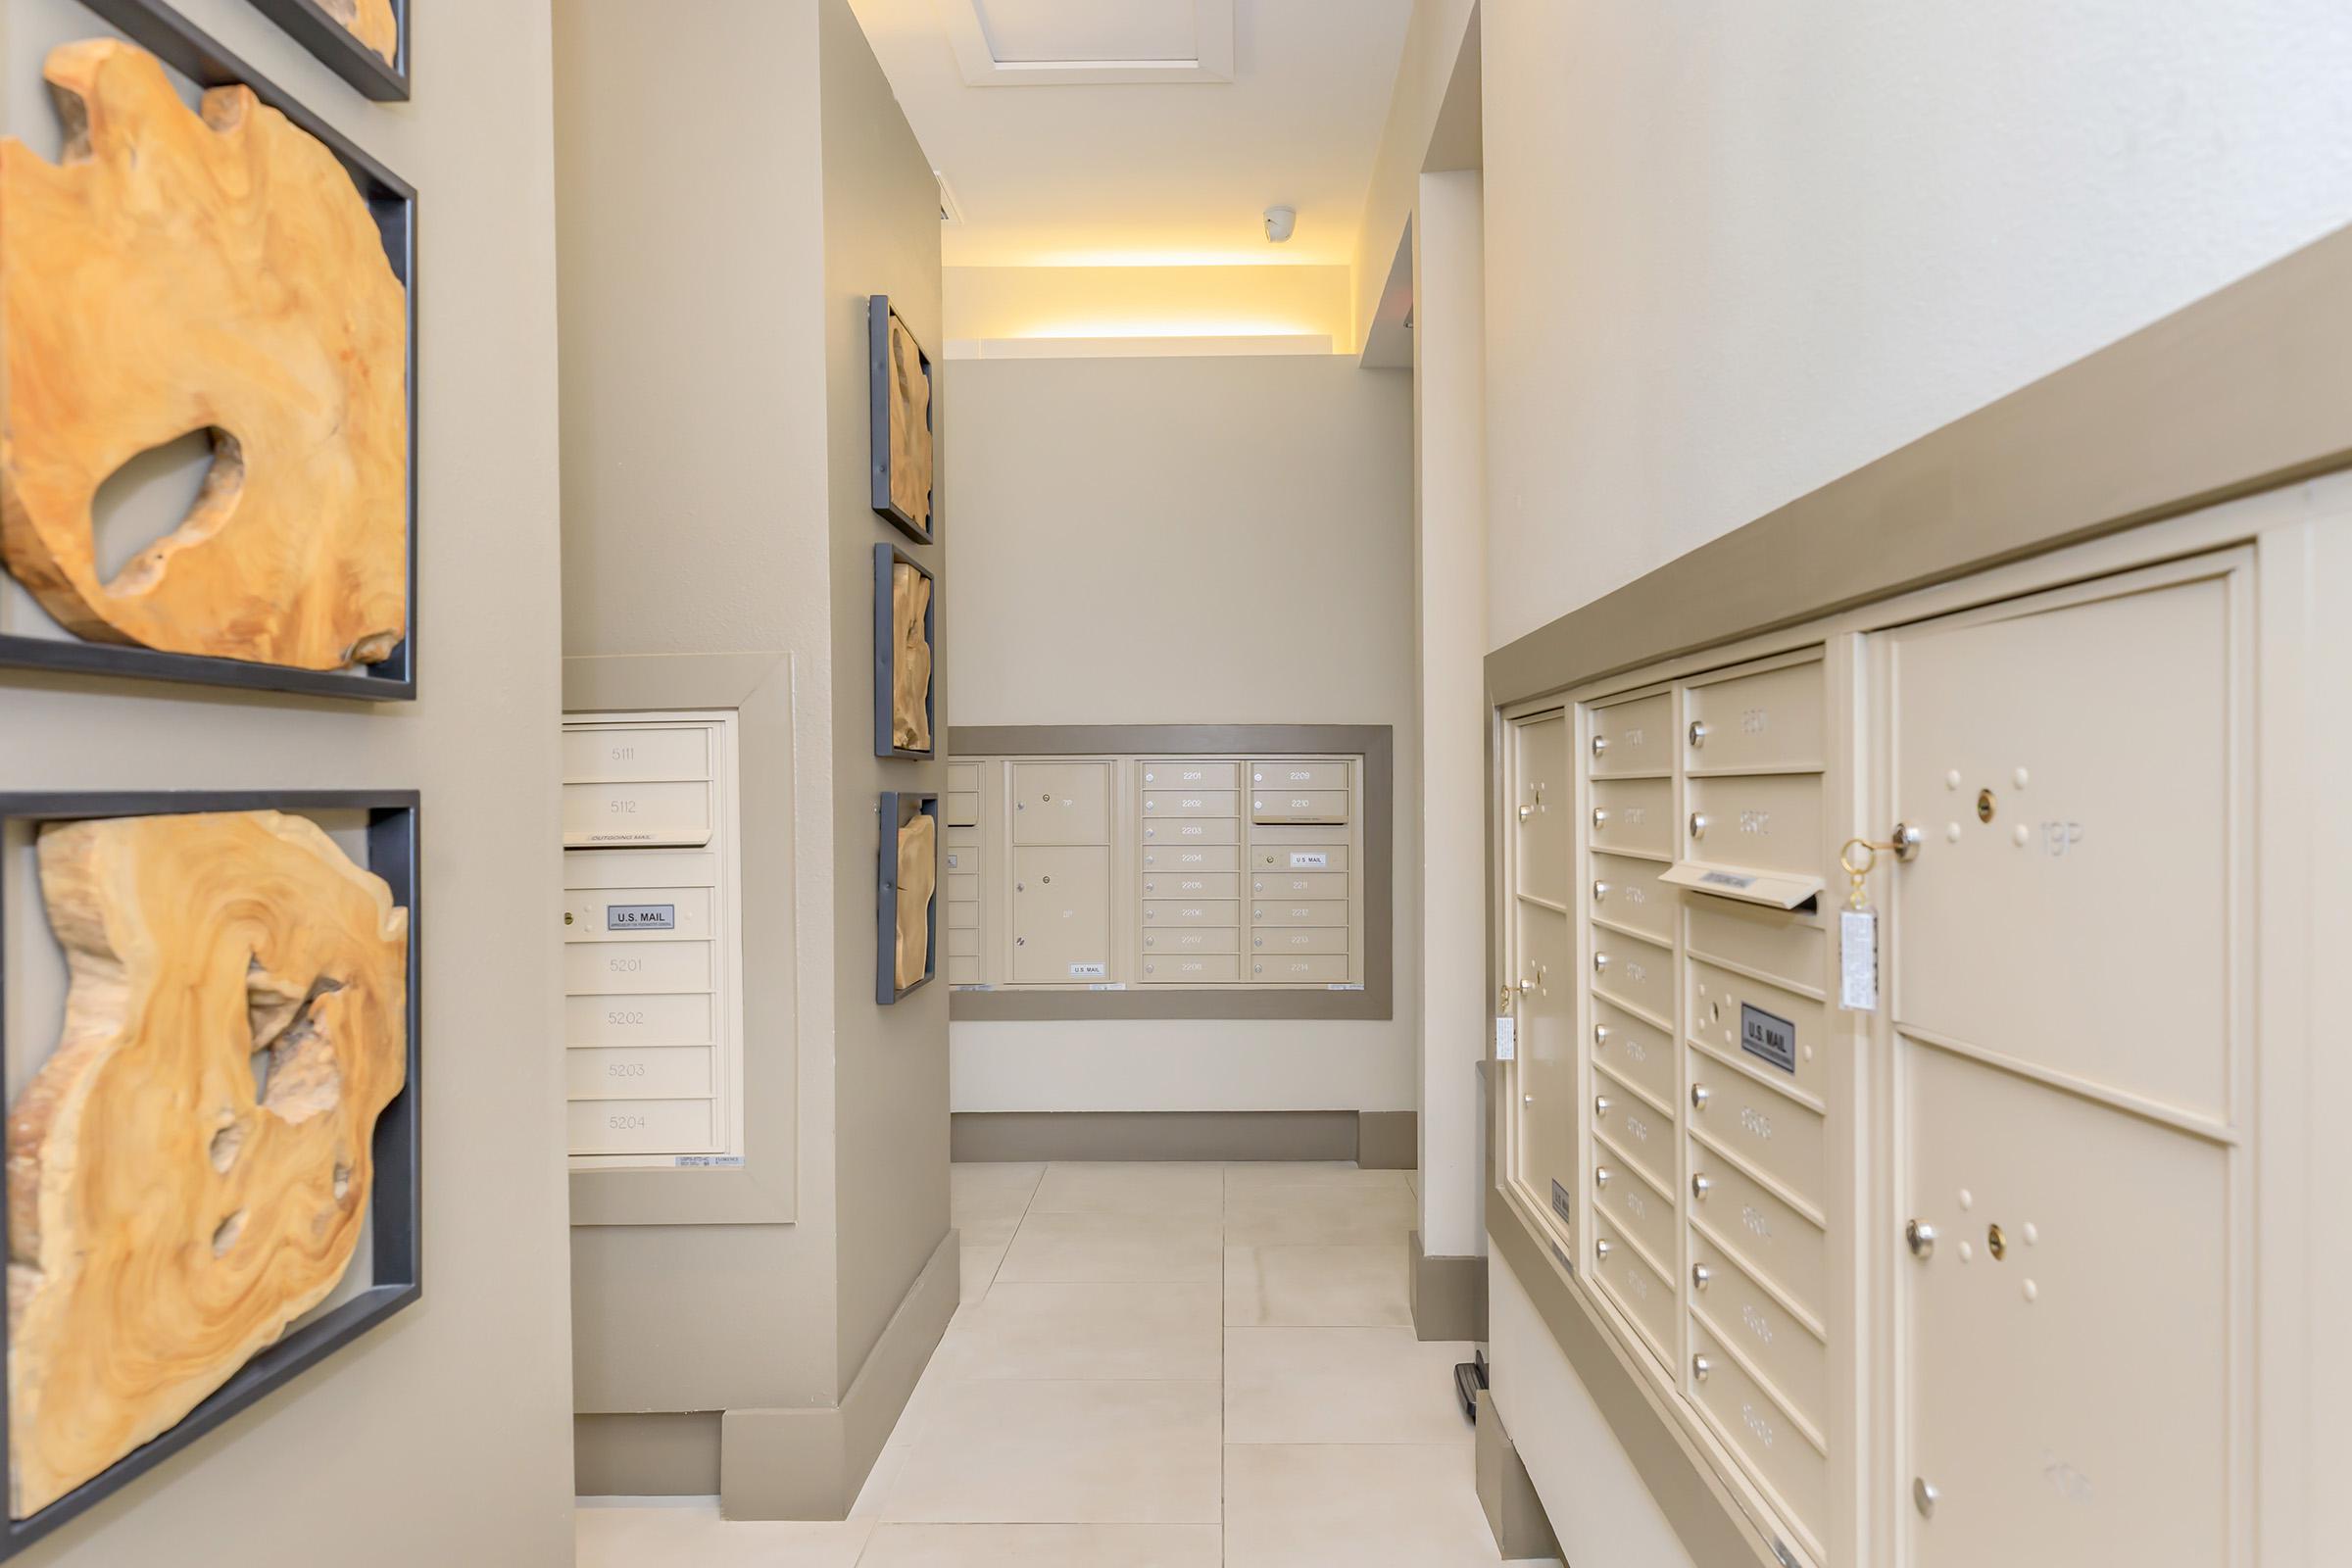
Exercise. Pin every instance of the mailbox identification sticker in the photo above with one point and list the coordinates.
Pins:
(1309, 859)
(641, 917)
(1770, 1038)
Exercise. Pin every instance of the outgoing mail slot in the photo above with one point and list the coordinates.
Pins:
(1642, 1133)
(1640, 1290)
(1192, 857)
(1288, 776)
(1771, 1240)
(642, 1127)
(1288, 939)
(1627, 894)
(963, 808)
(1183, 775)
(963, 838)
(1771, 720)
(671, 1072)
(634, 914)
(685, 1019)
(1633, 974)
(1303, 885)
(1217, 912)
(1175, 832)
(1285, 911)
(636, 814)
(962, 943)
(1264, 856)
(1760, 821)
(1061, 802)
(1634, 816)
(1191, 803)
(1778, 1449)
(1633, 737)
(1178, 940)
(1775, 1033)
(1317, 970)
(1179, 967)
(609, 969)
(1191, 885)
(1645, 1212)
(1636, 1051)
(1780, 1346)
(1788, 947)
(631, 756)
(1761, 1127)
(1297, 805)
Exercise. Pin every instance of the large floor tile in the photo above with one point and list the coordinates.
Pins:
(1324, 1213)
(979, 1268)
(1247, 1176)
(1137, 1191)
(1364, 1386)
(986, 1201)
(1063, 1453)
(1044, 1546)
(1038, 1331)
(1354, 1507)
(688, 1533)
(1362, 1285)
(1115, 1249)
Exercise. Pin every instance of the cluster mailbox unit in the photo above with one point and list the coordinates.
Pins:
(653, 1009)
(1922, 1201)
(1145, 871)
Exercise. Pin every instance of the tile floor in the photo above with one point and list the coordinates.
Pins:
(1155, 1366)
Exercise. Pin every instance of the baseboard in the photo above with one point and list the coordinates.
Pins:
(1514, 1513)
(659, 1453)
(809, 1463)
(1377, 1140)
(1449, 1296)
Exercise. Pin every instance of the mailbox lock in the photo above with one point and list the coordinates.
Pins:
(1600, 1106)
(1526, 811)
(1700, 1186)
(1600, 744)
(1701, 1276)
(1600, 1249)
(1924, 1496)
(1600, 964)
(1698, 824)
(1700, 1094)
(1907, 839)
(1600, 1175)
(1600, 892)
(1922, 1237)
(1601, 816)
(1020, 942)
(1601, 1036)
(567, 917)
(1020, 887)
(1700, 1366)
(1698, 734)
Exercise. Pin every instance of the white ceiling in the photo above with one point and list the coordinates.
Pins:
(1159, 171)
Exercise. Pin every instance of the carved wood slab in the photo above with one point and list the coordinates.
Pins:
(918, 881)
(909, 428)
(371, 22)
(175, 1200)
(175, 274)
(910, 665)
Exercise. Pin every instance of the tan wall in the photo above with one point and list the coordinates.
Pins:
(1064, 302)
(1433, 44)
(443, 1436)
(736, 179)
(1188, 541)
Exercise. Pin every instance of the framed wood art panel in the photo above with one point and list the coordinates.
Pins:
(294, 566)
(210, 1046)
(907, 914)
(905, 649)
(903, 426)
(366, 42)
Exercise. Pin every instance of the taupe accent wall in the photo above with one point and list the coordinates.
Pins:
(442, 1437)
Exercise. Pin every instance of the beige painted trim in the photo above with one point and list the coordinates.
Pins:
(1021, 1136)
(659, 1453)
(2241, 391)
(1449, 1299)
(1388, 1139)
(810, 1463)
(758, 688)
(1375, 743)
(1514, 1513)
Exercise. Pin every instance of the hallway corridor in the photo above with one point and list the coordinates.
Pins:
(1155, 1366)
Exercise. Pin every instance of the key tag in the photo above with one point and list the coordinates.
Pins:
(1506, 1030)
(1858, 934)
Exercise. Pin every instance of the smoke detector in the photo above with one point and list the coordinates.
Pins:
(1280, 223)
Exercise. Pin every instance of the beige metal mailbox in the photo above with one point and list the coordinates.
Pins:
(1062, 803)
(1060, 913)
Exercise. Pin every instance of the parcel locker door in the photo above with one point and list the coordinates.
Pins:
(1542, 962)
(1061, 914)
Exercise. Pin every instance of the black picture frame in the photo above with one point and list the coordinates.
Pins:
(878, 317)
(396, 1206)
(888, 557)
(307, 23)
(887, 990)
(172, 38)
